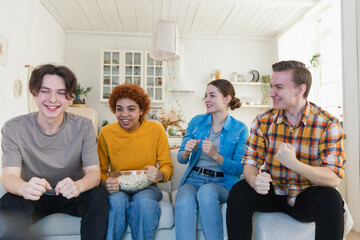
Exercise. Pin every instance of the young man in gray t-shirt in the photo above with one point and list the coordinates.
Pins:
(50, 161)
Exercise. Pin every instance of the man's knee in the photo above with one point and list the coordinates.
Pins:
(13, 203)
(329, 198)
(239, 191)
(97, 197)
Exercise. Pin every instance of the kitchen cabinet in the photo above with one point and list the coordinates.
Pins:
(154, 84)
(128, 66)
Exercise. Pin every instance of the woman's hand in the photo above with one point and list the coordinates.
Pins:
(208, 148)
(154, 175)
(111, 185)
(191, 145)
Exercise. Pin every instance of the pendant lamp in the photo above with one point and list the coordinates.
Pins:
(165, 41)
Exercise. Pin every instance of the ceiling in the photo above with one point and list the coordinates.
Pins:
(230, 18)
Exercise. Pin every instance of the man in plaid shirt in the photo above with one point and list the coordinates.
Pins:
(301, 148)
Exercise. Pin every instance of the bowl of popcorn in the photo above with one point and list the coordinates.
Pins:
(131, 181)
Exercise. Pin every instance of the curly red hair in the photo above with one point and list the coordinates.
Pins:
(133, 92)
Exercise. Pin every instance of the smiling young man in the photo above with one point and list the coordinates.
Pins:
(301, 147)
(50, 161)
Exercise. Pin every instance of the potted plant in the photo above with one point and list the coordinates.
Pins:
(80, 91)
(266, 78)
(171, 120)
(104, 123)
(316, 60)
(265, 89)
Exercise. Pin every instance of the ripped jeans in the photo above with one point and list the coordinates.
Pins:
(140, 211)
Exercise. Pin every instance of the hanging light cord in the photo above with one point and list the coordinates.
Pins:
(181, 112)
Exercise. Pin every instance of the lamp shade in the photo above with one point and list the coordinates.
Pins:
(165, 41)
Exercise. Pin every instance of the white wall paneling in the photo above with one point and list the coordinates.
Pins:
(34, 38)
(351, 66)
(319, 31)
(202, 56)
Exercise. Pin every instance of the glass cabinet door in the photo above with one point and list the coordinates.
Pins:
(110, 73)
(133, 67)
(126, 66)
(154, 79)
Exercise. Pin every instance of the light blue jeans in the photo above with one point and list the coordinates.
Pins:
(201, 194)
(140, 211)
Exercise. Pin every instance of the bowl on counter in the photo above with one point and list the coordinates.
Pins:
(131, 181)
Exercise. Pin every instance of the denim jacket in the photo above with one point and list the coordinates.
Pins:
(232, 145)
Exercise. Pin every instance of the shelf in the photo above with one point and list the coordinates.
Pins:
(248, 83)
(256, 106)
(174, 147)
(181, 91)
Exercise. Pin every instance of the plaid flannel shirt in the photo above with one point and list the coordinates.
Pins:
(317, 138)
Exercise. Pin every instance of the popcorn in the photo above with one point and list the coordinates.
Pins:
(133, 183)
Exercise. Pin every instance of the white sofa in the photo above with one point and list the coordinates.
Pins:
(64, 227)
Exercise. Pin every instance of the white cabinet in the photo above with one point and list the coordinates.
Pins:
(133, 67)
(125, 66)
(154, 84)
(110, 72)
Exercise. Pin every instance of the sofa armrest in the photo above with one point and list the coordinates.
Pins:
(2, 189)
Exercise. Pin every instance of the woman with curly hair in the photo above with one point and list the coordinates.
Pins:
(212, 147)
(133, 143)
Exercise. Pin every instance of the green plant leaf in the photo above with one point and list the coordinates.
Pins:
(82, 91)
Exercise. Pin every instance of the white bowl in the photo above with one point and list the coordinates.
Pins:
(132, 180)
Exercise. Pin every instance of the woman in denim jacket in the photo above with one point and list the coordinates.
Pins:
(215, 143)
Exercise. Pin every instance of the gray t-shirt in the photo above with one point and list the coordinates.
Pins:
(204, 160)
(53, 157)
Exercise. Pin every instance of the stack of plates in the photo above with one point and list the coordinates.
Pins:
(253, 76)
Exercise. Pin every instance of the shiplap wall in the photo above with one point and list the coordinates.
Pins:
(34, 38)
(200, 57)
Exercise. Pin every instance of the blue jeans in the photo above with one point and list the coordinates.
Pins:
(203, 194)
(140, 211)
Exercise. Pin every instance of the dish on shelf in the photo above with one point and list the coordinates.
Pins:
(256, 75)
(249, 77)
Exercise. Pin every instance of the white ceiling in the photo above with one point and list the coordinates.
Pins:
(231, 18)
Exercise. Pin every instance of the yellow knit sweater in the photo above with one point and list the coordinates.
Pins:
(120, 149)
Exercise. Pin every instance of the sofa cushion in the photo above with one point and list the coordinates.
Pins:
(167, 217)
(57, 224)
(64, 224)
(179, 170)
(278, 225)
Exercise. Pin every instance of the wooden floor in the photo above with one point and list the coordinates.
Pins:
(353, 236)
